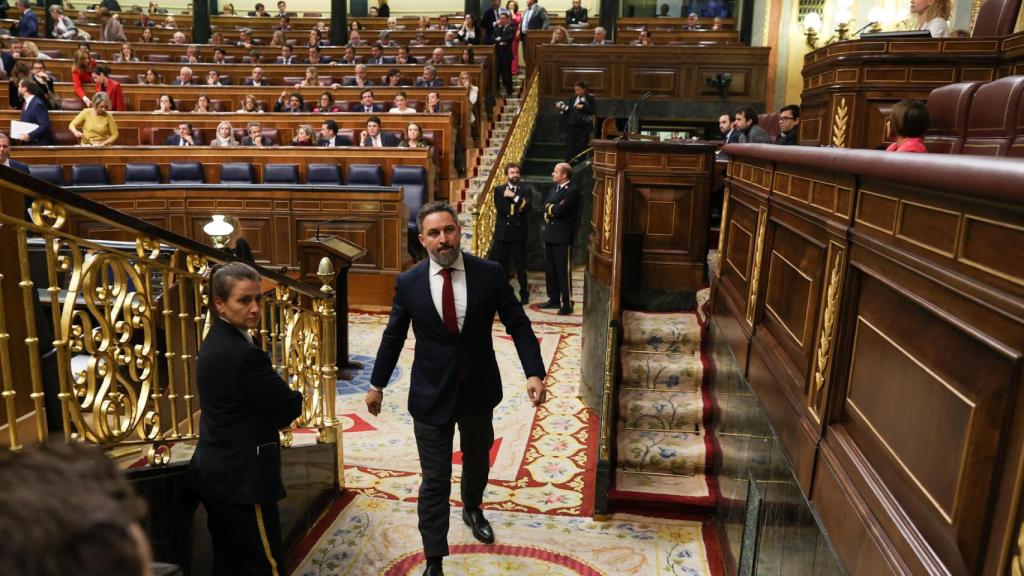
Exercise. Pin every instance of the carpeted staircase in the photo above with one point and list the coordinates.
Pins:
(663, 449)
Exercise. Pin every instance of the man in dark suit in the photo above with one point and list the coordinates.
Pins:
(451, 299)
(28, 24)
(373, 138)
(490, 20)
(329, 136)
(184, 137)
(580, 110)
(35, 111)
(789, 126)
(511, 203)
(561, 215)
(236, 468)
(504, 35)
(535, 18)
(727, 126)
(256, 78)
(577, 15)
(6, 160)
(429, 78)
(286, 56)
(366, 104)
(360, 79)
(314, 56)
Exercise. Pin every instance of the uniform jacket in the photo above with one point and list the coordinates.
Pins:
(561, 214)
(510, 225)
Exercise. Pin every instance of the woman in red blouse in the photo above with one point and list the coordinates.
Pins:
(81, 74)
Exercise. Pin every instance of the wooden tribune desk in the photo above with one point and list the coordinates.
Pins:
(654, 195)
(850, 87)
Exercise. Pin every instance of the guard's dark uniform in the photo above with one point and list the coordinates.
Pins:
(503, 37)
(236, 468)
(561, 215)
(509, 241)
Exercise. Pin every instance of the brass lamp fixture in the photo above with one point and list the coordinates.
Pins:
(877, 15)
(843, 17)
(219, 230)
(812, 23)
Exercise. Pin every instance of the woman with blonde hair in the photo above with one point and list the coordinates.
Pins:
(932, 15)
(95, 126)
(202, 105)
(228, 10)
(304, 136)
(225, 136)
(560, 35)
(312, 78)
(278, 39)
(250, 105)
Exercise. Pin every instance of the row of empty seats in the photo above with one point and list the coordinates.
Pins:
(978, 118)
(234, 173)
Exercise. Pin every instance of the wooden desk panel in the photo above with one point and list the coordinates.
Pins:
(670, 72)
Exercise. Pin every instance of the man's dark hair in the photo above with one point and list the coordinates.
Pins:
(285, 17)
(909, 118)
(731, 115)
(510, 166)
(32, 87)
(432, 208)
(189, 124)
(582, 84)
(67, 510)
(221, 50)
(374, 120)
(793, 109)
(297, 95)
(363, 93)
(102, 69)
(749, 113)
(225, 277)
(331, 125)
(260, 5)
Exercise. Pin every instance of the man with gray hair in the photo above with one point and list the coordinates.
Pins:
(600, 36)
(451, 300)
(429, 78)
(236, 467)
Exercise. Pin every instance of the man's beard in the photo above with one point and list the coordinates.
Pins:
(445, 258)
(513, 181)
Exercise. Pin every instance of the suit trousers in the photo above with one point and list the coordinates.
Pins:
(434, 444)
(505, 73)
(578, 140)
(246, 538)
(557, 272)
(502, 252)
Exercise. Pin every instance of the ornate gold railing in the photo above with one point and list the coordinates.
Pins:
(125, 324)
(512, 150)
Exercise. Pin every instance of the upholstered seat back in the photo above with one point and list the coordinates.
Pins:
(141, 174)
(992, 121)
(327, 174)
(996, 18)
(185, 173)
(88, 175)
(948, 109)
(414, 181)
(236, 173)
(281, 174)
(48, 173)
(365, 175)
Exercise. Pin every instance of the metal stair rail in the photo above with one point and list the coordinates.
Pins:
(513, 149)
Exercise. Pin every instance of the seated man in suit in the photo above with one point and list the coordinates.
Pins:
(236, 468)
(315, 57)
(789, 126)
(600, 36)
(184, 137)
(220, 56)
(256, 78)
(349, 57)
(372, 137)
(360, 79)
(376, 55)
(294, 104)
(354, 39)
(750, 132)
(244, 38)
(184, 77)
(329, 136)
(260, 11)
(36, 112)
(429, 79)
(6, 160)
(727, 126)
(436, 58)
(255, 137)
(404, 57)
(366, 103)
(286, 56)
(577, 15)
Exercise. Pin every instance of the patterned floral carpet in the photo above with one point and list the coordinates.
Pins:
(539, 498)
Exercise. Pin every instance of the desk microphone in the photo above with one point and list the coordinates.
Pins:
(866, 26)
(632, 115)
(332, 221)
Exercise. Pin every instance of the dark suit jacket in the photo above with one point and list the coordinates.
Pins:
(359, 108)
(21, 166)
(244, 402)
(352, 82)
(249, 82)
(424, 83)
(440, 357)
(561, 214)
(538, 18)
(488, 21)
(28, 25)
(175, 140)
(733, 137)
(582, 116)
(503, 38)
(339, 140)
(37, 114)
(387, 139)
(787, 138)
(323, 60)
(247, 141)
(572, 16)
(510, 224)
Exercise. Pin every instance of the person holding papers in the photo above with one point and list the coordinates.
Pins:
(33, 112)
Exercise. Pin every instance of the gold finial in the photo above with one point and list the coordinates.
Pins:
(325, 272)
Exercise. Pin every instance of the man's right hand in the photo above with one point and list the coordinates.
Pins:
(374, 399)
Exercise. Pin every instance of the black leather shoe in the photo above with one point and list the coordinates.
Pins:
(550, 304)
(565, 311)
(433, 570)
(474, 518)
(524, 297)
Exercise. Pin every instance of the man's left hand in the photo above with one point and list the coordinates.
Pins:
(536, 390)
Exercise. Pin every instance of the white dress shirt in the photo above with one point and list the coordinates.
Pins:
(458, 286)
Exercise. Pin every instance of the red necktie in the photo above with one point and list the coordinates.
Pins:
(451, 322)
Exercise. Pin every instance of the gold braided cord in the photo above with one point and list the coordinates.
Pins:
(513, 150)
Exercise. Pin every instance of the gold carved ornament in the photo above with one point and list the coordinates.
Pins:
(721, 234)
(755, 274)
(824, 355)
(839, 122)
(606, 216)
(516, 141)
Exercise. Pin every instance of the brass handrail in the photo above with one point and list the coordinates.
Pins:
(122, 383)
(513, 149)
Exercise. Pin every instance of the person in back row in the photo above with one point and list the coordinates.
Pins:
(329, 136)
(789, 126)
(750, 132)
(908, 121)
(373, 138)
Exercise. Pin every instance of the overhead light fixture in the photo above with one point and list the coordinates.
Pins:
(219, 230)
